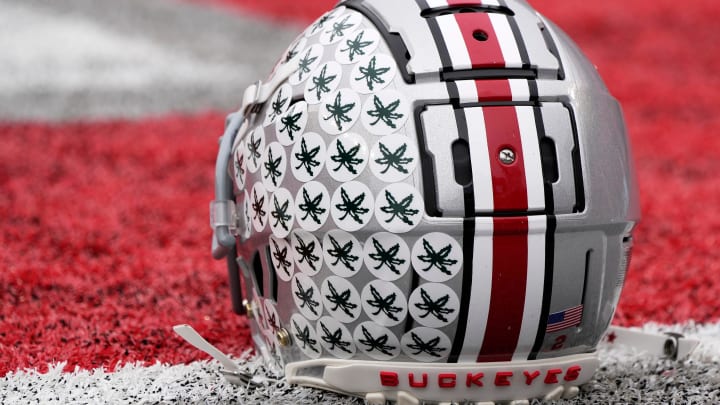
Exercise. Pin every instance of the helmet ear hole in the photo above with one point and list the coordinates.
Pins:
(461, 161)
(548, 155)
(258, 271)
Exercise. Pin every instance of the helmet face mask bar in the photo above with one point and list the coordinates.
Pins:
(429, 199)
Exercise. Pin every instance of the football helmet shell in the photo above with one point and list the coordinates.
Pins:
(429, 198)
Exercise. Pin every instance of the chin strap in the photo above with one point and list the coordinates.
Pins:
(670, 345)
(231, 371)
(225, 218)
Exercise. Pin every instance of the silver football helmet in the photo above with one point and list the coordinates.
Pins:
(428, 199)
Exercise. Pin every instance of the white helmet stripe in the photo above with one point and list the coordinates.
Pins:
(531, 158)
(534, 286)
(454, 42)
(480, 160)
(482, 264)
(437, 3)
(506, 39)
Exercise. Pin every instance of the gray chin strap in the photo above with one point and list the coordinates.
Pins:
(226, 220)
(224, 217)
(668, 345)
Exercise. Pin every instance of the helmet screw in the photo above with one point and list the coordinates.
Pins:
(283, 337)
(507, 156)
(249, 309)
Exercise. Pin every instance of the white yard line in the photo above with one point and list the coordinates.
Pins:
(68, 53)
(625, 376)
(103, 58)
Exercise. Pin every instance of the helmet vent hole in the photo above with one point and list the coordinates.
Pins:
(272, 273)
(258, 270)
(480, 35)
(461, 161)
(588, 262)
(548, 156)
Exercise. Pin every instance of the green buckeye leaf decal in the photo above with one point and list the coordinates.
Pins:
(308, 158)
(335, 339)
(356, 46)
(280, 214)
(346, 158)
(320, 23)
(399, 209)
(385, 113)
(396, 159)
(437, 258)
(254, 146)
(339, 112)
(277, 106)
(306, 252)
(305, 63)
(322, 83)
(339, 28)
(372, 74)
(341, 300)
(384, 305)
(290, 124)
(388, 258)
(437, 308)
(342, 254)
(306, 297)
(280, 256)
(312, 206)
(376, 344)
(352, 206)
(429, 347)
(258, 208)
(303, 336)
(272, 167)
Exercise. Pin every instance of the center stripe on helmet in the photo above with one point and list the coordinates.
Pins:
(517, 262)
(517, 187)
(508, 254)
(499, 187)
(472, 91)
(509, 287)
(498, 50)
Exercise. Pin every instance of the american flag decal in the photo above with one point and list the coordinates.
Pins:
(564, 319)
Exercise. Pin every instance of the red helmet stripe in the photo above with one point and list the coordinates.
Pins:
(507, 296)
(483, 54)
(494, 90)
(508, 181)
(459, 3)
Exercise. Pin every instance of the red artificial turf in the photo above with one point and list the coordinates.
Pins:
(104, 242)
